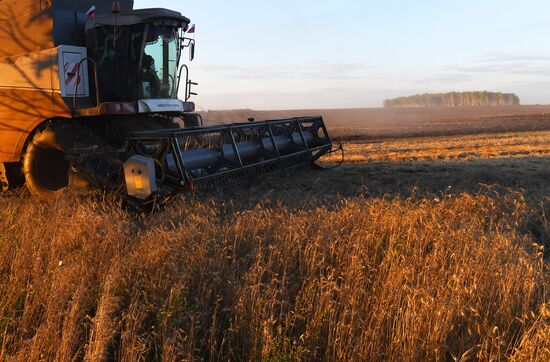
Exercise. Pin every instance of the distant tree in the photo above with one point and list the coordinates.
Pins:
(453, 99)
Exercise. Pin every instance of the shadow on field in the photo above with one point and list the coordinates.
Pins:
(306, 190)
(302, 187)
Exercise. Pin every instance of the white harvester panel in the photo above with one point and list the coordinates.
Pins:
(139, 173)
(162, 105)
(70, 77)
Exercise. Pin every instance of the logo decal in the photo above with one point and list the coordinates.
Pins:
(71, 75)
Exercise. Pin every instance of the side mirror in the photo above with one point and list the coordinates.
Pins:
(192, 51)
(187, 42)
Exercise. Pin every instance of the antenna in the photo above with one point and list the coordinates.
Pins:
(116, 11)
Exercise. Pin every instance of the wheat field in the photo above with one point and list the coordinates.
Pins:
(430, 248)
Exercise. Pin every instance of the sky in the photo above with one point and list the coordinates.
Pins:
(300, 54)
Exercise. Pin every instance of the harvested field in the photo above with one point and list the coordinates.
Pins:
(470, 147)
(408, 122)
(426, 248)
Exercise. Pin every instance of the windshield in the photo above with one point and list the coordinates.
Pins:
(136, 62)
(159, 62)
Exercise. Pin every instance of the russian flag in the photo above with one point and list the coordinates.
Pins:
(191, 29)
(91, 13)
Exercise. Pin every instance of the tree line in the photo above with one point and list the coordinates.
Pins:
(453, 99)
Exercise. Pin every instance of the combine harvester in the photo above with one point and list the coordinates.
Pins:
(89, 99)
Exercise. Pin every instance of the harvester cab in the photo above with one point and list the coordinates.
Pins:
(93, 102)
(136, 56)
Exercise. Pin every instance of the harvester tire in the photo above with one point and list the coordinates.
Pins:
(45, 166)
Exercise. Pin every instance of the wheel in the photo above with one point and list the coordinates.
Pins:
(11, 175)
(45, 166)
(3, 178)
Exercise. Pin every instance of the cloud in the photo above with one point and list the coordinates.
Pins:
(288, 71)
(304, 85)
(507, 57)
(314, 99)
(502, 63)
(449, 78)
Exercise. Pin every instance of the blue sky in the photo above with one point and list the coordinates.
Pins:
(267, 54)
